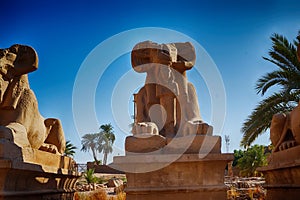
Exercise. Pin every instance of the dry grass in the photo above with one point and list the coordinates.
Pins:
(240, 188)
(99, 194)
(246, 194)
(92, 195)
(119, 196)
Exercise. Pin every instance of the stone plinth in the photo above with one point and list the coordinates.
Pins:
(194, 144)
(157, 144)
(144, 145)
(283, 175)
(27, 173)
(173, 176)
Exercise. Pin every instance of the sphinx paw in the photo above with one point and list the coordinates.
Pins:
(51, 148)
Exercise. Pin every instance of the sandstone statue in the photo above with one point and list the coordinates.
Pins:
(285, 129)
(20, 120)
(145, 129)
(172, 153)
(167, 85)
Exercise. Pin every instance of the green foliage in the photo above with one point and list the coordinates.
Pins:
(70, 149)
(237, 155)
(248, 161)
(99, 162)
(287, 77)
(124, 179)
(90, 176)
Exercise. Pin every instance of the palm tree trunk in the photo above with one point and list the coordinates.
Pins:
(94, 155)
(104, 158)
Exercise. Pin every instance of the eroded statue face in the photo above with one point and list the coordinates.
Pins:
(7, 59)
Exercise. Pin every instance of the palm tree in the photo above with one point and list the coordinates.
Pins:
(90, 142)
(70, 149)
(284, 55)
(106, 140)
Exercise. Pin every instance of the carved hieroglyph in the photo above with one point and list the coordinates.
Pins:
(20, 120)
(167, 98)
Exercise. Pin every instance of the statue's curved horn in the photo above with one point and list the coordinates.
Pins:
(141, 55)
(26, 60)
(186, 52)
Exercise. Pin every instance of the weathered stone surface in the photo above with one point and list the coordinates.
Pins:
(195, 127)
(144, 129)
(283, 175)
(285, 130)
(144, 145)
(184, 161)
(114, 182)
(28, 173)
(167, 85)
(31, 165)
(188, 193)
(160, 145)
(188, 176)
(20, 120)
(198, 144)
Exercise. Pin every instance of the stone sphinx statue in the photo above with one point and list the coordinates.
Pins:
(166, 85)
(20, 120)
(285, 129)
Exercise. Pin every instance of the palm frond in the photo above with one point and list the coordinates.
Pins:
(106, 140)
(284, 55)
(270, 79)
(89, 141)
(284, 52)
(260, 119)
(70, 149)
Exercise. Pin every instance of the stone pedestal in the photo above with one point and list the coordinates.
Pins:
(190, 167)
(283, 175)
(157, 144)
(27, 173)
(190, 176)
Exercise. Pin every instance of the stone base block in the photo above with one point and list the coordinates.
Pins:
(157, 144)
(282, 193)
(198, 144)
(174, 177)
(27, 173)
(188, 194)
(283, 175)
(144, 145)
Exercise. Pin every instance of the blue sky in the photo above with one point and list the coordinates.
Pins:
(234, 33)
